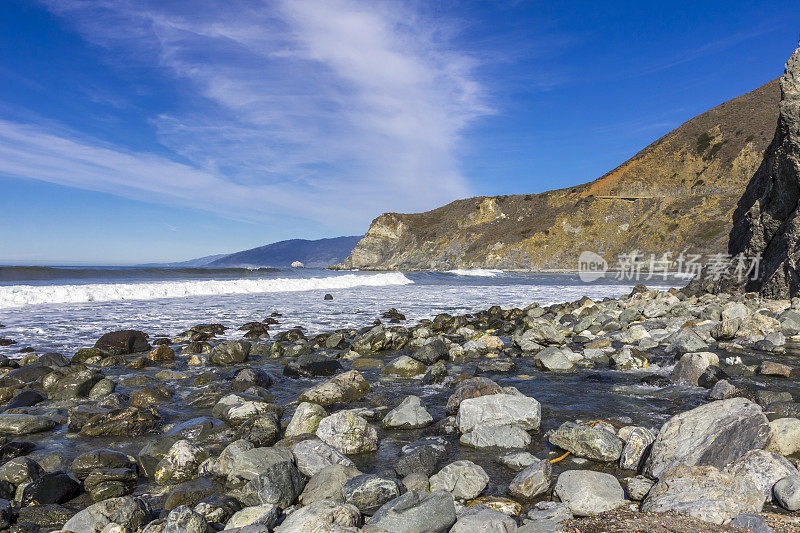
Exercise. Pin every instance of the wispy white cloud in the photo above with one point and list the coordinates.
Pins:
(329, 109)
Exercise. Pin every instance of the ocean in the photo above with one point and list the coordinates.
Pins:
(63, 309)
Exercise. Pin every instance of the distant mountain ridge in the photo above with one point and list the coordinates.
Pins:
(318, 253)
(676, 195)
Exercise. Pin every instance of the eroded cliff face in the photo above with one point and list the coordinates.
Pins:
(766, 223)
(678, 194)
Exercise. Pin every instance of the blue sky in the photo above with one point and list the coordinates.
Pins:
(149, 130)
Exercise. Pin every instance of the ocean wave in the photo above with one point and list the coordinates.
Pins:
(40, 273)
(480, 272)
(23, 295)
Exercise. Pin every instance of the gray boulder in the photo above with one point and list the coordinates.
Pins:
(554, 359)
(506, 436)
(763, 468)
(305, 419)
(348, 432)
(183, 520)
(714, 434)
(312, 455)
(249, 464)
(417, 512)
(229, 353)
(368, 492)
(588, 493)
(585, 441)
(263, 515)
(636, 448)
(280, 484)
(787, 492)
(480, 519)
(328, 483)
(703, 492)
(431, 352)
(322, 516)
(410, 414)
(497, 410)
(127, 511)
(532, 481)
(463, 479)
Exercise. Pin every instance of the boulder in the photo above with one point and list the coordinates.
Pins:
(787, 492)
(405, 367)
(713, 434)
(587, 493)
(229, 353)
(123, 342)
(321, 516)
(266, 515)
(584, 441)
(21, 424)
(498, 410)
(313, 455)
(686, 340)
(416, 512)
(763, 468)
(180, 464)
(55, 487)
(249, 464)
(346, 387)
(480, 518)
(423, 459)
(532, 481)
(703, 492)
(692, 365)
(327, 484)
(127, 512)
(410, 414)
(279, 484)
(305, 419)
(784, 436)
(348, 432)
(471, 388)
(637, 446)
(312, 365)
(84, 464)
(183, 520)
(505, 436)
(463, 479)
(368, 492)
(554, 359)
(130, 421)
(431, 353)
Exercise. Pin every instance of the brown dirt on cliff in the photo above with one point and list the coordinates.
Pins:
(677, 194)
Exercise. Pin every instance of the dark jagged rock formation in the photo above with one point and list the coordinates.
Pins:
(766, 222)
(677, 194)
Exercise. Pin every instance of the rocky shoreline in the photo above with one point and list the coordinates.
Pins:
(459, 423)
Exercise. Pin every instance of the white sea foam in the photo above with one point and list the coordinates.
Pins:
(480, 272)
(23, 295)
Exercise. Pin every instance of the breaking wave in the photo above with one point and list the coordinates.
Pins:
(22, 295)
(480, 272)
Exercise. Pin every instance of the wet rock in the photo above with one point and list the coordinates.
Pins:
(479, 518)
(183, 520)
(131, 421)
(11, 449)
(517, 460)
(410, 414)
(532, 481)
(404, 367)
(346, 387)
(691, 366)
(264, 515)
(261, 430)
(553, 359)
(704, 492)
(722, 390)
(763, 468)
(102, 388)
(431, 353)
(306, 419)
(628, 359)
(74, 385)
(368, 492)
(151, 396)
(229, 353)
(56, 487)
(320, 516)
(714, 434)
(327, 483)
(686, 340)
(588, 493)
(104, 483)
(636, 448)
(123, 342)
(25, 398)
(424, 459)
(128, 512)
(417, 512)
(499, 409)
(787, 492)
(771, 368)
(311, 365)
(505, 436)
(238, 408)
(83, 464)
(20, 470)
(198, 490)
(496, 365)
(161, 354)
(784, 437)
(249, 464)
(180, 464)
(585, 441)
(471, 388)
(348, 432)
(463, 479)
(280, 484)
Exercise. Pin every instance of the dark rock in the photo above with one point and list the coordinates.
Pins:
(328, 297)
(123, 342)
(131, 421)
(53, 360)
(56, 487)
(192, 492)
(229, 353)
(25, 398)
(471, 388)
(311, 365)
(424, 459)
(84, 464)
(431, 353)
(13, 449)
(710, 376)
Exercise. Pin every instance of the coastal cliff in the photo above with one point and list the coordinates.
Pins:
(677, 194)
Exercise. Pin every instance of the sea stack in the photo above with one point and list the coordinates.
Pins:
(766, 222)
